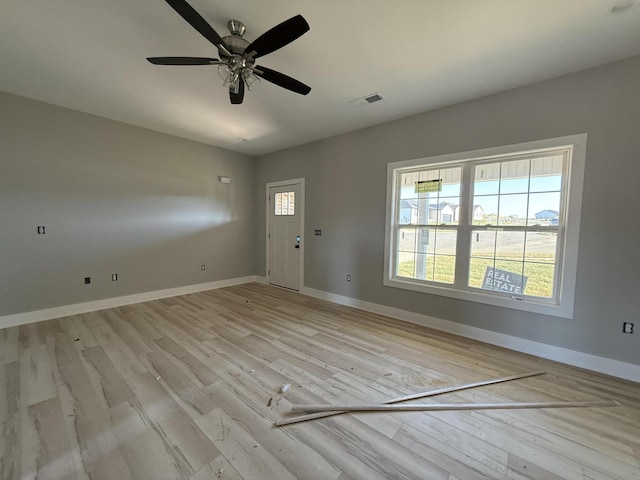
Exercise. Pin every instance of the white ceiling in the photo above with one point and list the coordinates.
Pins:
(419, 55)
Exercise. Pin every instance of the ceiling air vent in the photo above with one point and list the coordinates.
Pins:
(366, 100)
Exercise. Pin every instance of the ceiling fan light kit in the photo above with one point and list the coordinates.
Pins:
(237, 63)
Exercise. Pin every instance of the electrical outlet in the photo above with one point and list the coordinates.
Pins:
(317, 232)
(114, 277)
(348, 278)
(202, 267)
(41, 230)
(627, 327)
(87, 280)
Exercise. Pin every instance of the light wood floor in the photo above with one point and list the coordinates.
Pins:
(188, 388)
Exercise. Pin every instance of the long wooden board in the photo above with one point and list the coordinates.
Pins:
(435, 407)
(415, 396)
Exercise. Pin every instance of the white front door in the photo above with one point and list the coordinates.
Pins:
(284, 235)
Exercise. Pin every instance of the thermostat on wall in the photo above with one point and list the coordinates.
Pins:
(224, 179)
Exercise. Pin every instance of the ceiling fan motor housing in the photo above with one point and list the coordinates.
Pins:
(237, 46)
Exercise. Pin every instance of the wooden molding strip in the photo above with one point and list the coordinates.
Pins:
(431, 393)
(435, 407)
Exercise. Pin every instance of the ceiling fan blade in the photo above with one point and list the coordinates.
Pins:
(183, 61)
(279, 36)
(194, 19)
(282, 80)
(236, 98)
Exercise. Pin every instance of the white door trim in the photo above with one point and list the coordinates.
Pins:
(282, 183)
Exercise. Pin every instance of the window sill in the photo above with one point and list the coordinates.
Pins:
(528, 304)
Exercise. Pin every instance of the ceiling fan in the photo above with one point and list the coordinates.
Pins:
(237, 63)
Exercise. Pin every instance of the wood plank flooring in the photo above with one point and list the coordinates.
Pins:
(188, 388)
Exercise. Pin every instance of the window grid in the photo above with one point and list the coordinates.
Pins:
(463, 257)
(426, 260)
(284, 203)
(527, 263)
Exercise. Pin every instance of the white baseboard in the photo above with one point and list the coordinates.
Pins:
(627, 371)
(66, 310)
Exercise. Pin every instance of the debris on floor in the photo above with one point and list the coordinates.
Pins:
(285, 387)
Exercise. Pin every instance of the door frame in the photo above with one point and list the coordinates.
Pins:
(301, 203)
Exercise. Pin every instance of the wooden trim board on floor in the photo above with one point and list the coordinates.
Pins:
(441, 407)
(414, 396)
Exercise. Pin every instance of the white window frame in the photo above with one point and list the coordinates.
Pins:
(568, 234)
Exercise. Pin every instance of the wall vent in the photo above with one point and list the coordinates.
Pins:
(366, 100)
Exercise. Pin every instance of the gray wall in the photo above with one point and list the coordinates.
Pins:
(345, 197)
(114, 199)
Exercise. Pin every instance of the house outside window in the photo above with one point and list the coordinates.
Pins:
(497, 226)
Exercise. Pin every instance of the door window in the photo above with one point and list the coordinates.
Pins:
(285, 203)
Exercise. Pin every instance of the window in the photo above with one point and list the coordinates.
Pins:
(497, 226)
(427, 230)
(285, 203)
